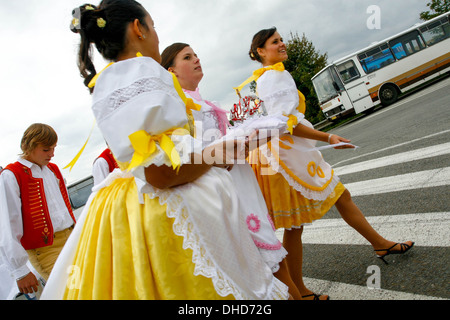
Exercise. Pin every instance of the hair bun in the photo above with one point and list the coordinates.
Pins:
(77, 15)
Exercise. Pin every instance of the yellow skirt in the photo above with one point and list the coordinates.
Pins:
(128, 250)
(288, 207)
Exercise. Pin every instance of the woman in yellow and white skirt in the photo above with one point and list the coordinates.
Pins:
(298, 184)
(162, 227)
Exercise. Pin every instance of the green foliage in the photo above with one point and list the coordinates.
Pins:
(437, 7)
(303, 63)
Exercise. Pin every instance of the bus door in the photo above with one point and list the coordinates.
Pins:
(354, 85)
(359, 96)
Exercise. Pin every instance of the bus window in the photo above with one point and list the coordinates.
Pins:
(326, 86)
(376, 58)
(348, 71)
(407, 44)
(436, 31)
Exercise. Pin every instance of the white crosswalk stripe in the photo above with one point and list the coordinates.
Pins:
(410, 181)
(428, 229)
(414, 155)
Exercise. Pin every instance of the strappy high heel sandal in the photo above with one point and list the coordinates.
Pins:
(315, 296)
(403, 249)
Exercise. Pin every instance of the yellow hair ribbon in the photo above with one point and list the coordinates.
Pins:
(77, 157)
(144, 146)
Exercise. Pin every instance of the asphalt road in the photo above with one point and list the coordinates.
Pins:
(399, 177)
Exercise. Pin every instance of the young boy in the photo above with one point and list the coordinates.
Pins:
(36, 217)
(103, 166)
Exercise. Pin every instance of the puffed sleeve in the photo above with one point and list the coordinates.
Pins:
(280, 94)
(141, 115)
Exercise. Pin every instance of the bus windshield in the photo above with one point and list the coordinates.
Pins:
(327, 85)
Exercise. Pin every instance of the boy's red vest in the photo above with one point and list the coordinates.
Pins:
(108, 156)
(37, 225)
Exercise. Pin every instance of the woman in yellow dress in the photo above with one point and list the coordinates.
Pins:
(164, 226)
(298, 184)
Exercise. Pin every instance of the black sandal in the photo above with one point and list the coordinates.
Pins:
(403, 249)
(316, 296)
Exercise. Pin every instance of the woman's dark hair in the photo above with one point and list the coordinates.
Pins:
(170, 53)
(106, 27)
(259, 41)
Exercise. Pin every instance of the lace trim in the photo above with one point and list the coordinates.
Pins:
(114, 101)
(307, 193)
(178, 210)
(273, 258)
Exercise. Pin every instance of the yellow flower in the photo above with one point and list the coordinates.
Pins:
(101, 23)
(75, 22)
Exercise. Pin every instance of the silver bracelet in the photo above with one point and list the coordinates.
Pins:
(18, 279)
(329, 138)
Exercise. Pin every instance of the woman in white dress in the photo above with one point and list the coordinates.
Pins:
(162, 227)
(211, 124)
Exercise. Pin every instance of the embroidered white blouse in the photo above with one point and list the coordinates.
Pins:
(303, 168)
(13, 254)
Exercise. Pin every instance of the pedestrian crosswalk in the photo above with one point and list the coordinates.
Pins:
(427, 229)
(410, 181)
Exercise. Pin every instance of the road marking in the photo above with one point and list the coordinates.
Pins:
(425, 229)
(419, 154)
(407, 100)
(344, 291)
(392, 147)
(410, 181)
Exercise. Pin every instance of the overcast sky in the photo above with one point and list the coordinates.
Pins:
(40, 81)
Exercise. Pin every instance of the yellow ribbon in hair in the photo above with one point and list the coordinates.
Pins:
(144, 146)
(77, 157)
(258, 73)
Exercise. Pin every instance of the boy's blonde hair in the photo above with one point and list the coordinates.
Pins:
(37, 134)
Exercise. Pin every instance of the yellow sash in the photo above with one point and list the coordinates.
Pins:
(190, 105)
(293, 121)
(258, 73)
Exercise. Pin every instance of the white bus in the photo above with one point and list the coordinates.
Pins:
(380, 73)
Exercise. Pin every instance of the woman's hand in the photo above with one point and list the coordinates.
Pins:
(335, 139)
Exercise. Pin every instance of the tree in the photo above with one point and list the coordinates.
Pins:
(437, 7)
(303, 63)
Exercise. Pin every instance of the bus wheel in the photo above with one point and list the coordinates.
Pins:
(388, 94)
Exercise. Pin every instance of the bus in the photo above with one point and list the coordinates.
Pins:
(79, 193)
(381, 72)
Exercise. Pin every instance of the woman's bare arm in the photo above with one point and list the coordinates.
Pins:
(313, 134)
(164, 177)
